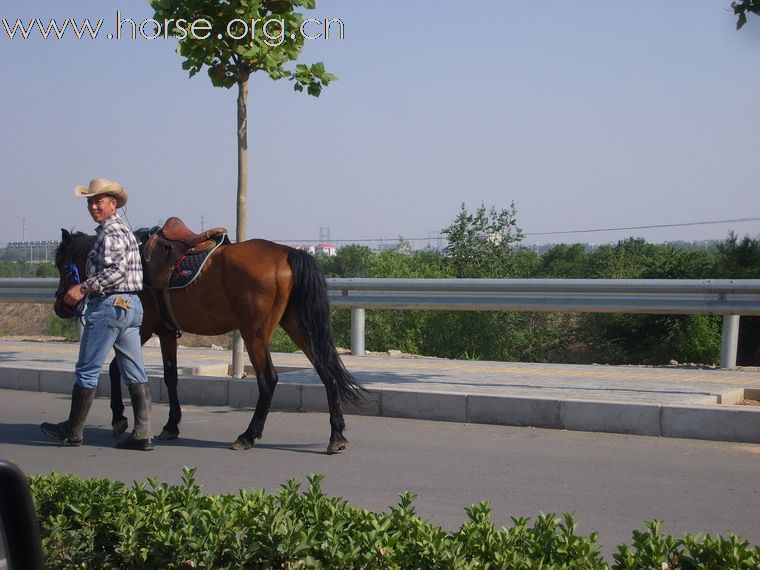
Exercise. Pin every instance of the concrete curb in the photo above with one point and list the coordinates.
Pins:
(710, 422)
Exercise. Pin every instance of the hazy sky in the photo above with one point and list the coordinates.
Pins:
(585, 113)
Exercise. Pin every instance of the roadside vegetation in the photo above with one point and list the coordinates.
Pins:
(99, 523)
(487, 243)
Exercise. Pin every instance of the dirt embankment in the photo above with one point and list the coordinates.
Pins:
(25, 319)
(30, 321)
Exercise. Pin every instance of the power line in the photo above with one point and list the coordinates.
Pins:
(526, 234)
(560, 232)
(655, 226)
(357, 240)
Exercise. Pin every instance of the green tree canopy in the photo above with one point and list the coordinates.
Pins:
(480, 242)
(739, 258)
(242, 37)
(565, 262)
(744, 7)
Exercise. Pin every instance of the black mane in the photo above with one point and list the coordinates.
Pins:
(142, 234)
(79, 245)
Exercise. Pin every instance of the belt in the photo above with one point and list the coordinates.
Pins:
(111, 293)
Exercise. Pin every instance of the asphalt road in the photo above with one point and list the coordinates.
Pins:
(611, 482)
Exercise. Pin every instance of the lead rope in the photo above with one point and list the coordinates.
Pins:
(79, 313)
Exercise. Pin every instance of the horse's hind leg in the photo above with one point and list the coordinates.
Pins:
(119, 423)
(266, 378)
(338, 441)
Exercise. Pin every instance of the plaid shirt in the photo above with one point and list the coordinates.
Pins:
(113, 264)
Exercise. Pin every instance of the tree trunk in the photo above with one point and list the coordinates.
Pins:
(242, 196)
(242, 139)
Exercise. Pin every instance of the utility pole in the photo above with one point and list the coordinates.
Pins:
(24, 242)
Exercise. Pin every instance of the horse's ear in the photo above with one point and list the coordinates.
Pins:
(65, 235)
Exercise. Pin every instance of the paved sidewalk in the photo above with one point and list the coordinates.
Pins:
(672, 402)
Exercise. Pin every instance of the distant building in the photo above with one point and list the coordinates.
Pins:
(321, 249)
(325, 249)
(32, 251)
(310, 249)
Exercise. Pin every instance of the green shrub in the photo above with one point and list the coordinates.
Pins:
(66, 328)
(281, 342)
(652, 339)
(97, 523)
(652, 549)
(26, 269)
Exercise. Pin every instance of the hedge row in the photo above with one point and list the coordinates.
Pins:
(98, 523)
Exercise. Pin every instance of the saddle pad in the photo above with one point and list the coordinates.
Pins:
(190, 265)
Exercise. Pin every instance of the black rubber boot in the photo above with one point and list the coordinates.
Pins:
(140, 438)
(70, 432)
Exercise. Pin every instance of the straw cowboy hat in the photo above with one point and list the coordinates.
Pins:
(103, 186)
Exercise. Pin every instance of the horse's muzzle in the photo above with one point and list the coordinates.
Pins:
(63, 310)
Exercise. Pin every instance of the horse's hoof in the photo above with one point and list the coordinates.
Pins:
(241, 444)
(119, 426)
(167, 435)
(336, 447)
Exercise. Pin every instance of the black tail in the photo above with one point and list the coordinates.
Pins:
(310, 292)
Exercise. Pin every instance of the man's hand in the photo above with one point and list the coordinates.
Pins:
(73, 296)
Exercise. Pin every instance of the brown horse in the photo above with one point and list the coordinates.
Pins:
(252, 286)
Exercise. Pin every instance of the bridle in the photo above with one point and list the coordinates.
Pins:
(70, 276)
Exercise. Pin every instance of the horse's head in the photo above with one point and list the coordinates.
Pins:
(70, 259)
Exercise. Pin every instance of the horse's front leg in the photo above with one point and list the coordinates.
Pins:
(169, 356)
(266, 378)
(119, 423)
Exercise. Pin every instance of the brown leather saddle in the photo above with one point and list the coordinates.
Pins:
(162, 251)
(168, 245)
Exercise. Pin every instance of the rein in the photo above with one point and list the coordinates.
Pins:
(73, 270)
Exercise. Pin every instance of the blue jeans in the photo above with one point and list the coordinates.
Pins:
(110, 326)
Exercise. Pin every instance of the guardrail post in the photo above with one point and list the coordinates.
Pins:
(357, 332)
(730, 341)
(238, 351)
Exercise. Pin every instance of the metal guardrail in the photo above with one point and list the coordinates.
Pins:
(26, 290)
(726, 297)
(655, 296)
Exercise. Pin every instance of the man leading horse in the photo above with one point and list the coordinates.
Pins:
(113, 317)
(252, 286)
